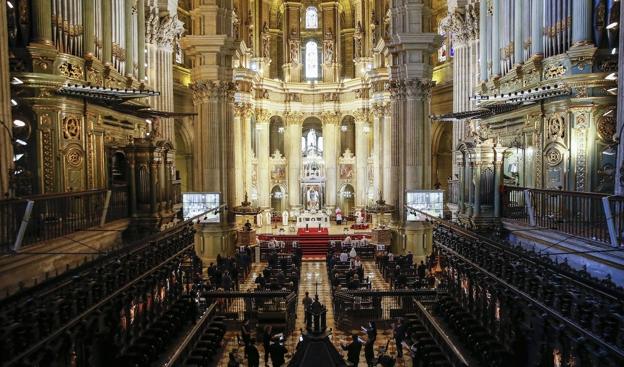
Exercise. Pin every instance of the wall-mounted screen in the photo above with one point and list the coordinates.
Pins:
(196, 203)
(427, 201)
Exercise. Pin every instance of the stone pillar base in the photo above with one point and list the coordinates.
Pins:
(214, 239)
(416, 237)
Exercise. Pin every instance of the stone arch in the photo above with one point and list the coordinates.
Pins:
(441, 153)
(347, 134)
(277, 132)
(346, 198)
(278, 203)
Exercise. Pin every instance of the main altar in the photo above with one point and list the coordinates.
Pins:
(313, 219)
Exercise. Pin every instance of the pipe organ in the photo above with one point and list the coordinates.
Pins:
(67, 28)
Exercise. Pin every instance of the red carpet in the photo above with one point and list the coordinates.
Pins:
(312, 231)
(313, 245)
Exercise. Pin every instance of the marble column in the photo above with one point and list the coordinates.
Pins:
(389, 174)
(263, 170)
(107, 32)
(248, 155)
(619, 172)
(483, 60)
(496, 47)
(330, 157)
(6, 145)
(88, 23)
(141, 40)
(498, 175)
(293, 130)
(518, 26)
(537, 38)
(129, 38)
(240, 114)
(377, 149)
(416, 136)
(362, 129)
(41, 22)
(581, 22)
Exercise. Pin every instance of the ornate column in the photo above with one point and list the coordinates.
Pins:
(330, 156)
(263, 169)
(498, 174)
(619, 171)
(496, 53)
(362, 129)
(581, 22)
(41, 22)
(6, 145)
(537, 40)
(518, 26)
(389, 172)
(417, 135)
(378, 123)
(241, 112)
(293, 148)
(292, 41)
(161, 34)
(483, 60)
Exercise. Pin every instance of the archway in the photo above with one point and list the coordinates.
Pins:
(347, 135)
(277, 199)
(346, 199)
(276, 135)
(442, 155)
(183, 155)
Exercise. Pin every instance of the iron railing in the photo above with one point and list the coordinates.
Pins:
(57, 215)
(579, 214)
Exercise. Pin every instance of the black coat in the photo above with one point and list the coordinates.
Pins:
(253, 357)
(278, 352)
(353, 352)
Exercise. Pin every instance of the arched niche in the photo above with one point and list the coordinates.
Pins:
(442, 154)
(346, 199)
(276, 134)
(347, 135)
(183, 154)
(278, 199)
(312, 136)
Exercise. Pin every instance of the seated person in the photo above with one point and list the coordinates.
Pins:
(260, 280)
(344, 257)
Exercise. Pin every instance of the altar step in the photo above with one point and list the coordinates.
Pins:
(312, 246)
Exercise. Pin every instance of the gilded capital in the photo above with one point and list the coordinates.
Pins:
(381, 109)
(242, 109)
(330, 117)
(294, 117)
(205, 90)
(263, 115)
(361, 115)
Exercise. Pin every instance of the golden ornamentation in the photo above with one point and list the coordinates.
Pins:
(70, 70)
(73, 157)
(263, 115)
(554, 71)
(553, 157)
(71, 128)
(556, 126)
(606, 128)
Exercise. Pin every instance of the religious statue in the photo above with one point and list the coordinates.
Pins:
(266, 41)
(235, 23)
(312, 198)
(285, 218)
(357, 40)
(294, 52)
(328, 55)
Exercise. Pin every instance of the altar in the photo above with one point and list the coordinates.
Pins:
(312, 219)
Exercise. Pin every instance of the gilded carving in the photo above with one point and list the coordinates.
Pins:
(263, 115)
(553, 157)
(606, 128)
(46, 153)
(70, 70)
(74, 157)
(556, 127)
(208, 89)
(71, 128)
(554, 71)
(242, 109)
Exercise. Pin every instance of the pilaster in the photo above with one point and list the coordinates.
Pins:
(294, 122)
(263, 174)
(330, 156)
(362, 129)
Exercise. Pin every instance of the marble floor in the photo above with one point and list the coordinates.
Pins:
(314, 273)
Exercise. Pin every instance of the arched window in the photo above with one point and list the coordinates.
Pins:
(311, 61)
(311, 20)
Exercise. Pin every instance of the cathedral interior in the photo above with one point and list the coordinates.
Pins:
(305, 183)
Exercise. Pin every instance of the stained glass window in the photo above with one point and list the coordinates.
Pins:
(311, 62)
(311, 20)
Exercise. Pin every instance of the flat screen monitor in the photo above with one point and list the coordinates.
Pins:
(196, 203)
(427, 201)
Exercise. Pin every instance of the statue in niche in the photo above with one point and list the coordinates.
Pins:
(294, 52)
(357, 41)
(266, 41)
(312, 198)
(235, 23)
(328, 56)
(250, 26)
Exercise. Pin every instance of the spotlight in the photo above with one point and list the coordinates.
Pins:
(612, 25)
(614, 51)
(17, 157)
(21, 142)
(19, 123)
(13, 102)
(608, 113)
(16, 81)
(611, 76)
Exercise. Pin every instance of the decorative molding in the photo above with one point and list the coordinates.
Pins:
(204, 91)
(162, 31)
(242, 109)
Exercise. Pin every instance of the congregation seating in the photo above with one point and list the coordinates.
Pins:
(400, 272)
(481, 343)
(426, 347)
(208, 346)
